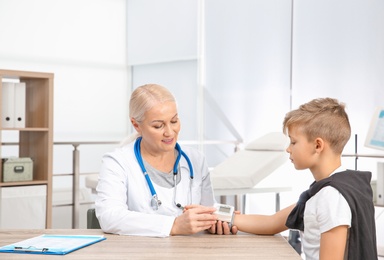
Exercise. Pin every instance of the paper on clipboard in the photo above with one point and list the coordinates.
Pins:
(51, 244)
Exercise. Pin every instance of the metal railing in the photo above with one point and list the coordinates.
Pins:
(76, 178)
(357, 156)
(76, 167)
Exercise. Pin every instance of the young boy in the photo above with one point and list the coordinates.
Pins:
(335, 215)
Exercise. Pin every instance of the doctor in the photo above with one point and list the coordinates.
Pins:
(150, 186)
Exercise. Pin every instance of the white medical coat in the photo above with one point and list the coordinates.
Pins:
(123, 202)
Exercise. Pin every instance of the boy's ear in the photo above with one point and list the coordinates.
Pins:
(319, 142)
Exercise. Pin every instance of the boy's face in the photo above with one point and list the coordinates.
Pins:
(301, 151)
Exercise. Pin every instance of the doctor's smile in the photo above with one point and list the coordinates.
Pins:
(168, 141)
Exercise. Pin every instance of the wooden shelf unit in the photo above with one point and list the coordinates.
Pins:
(36, 139)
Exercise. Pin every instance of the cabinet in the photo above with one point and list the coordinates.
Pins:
(35, 140)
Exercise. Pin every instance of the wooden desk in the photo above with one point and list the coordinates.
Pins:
(200, 246)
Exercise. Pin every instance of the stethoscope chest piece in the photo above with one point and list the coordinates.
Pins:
(155, 202)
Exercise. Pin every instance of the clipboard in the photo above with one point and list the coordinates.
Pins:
(51, 244)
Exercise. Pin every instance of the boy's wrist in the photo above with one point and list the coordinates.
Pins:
(230, 224)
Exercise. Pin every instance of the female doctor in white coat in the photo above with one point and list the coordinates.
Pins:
(150, 186)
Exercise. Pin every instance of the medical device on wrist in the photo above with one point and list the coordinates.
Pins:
(224, 213)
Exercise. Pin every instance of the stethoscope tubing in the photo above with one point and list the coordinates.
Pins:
(175, 171)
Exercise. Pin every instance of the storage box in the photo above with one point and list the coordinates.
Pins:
(17, 169)
(23, 207)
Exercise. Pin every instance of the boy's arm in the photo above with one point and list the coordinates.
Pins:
(263, 224)
(333, 242)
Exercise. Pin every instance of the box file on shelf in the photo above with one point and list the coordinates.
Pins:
(13, 104)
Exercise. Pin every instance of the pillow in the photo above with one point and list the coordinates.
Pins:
(274, 141)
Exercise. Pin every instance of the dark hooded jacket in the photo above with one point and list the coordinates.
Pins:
(355, 186)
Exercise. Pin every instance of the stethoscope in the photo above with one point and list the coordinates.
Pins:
(155, 202)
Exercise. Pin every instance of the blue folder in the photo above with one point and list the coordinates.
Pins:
(51, 244)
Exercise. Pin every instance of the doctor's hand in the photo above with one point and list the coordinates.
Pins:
(195, 218)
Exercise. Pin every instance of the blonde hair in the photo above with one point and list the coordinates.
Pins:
(323, 117)
(143, 99)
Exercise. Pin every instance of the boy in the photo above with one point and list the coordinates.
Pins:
(335, 215)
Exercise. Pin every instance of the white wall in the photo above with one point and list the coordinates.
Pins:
(162, 49)
(84, 44)
(247, 66)
(338, 51)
